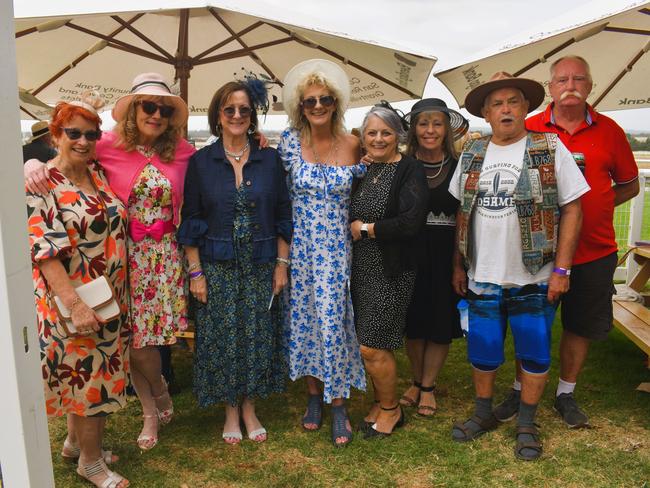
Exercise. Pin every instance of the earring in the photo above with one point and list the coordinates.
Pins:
(251, 129)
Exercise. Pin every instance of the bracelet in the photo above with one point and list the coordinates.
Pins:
(562, 271)
(283, 261)
(194, 266)
(195, 275)
(75, 301)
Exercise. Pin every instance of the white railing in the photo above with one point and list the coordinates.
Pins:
(632, 224)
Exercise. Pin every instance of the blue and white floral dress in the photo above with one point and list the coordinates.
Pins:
(321, 337)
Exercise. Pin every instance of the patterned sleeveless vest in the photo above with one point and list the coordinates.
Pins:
(535, 197)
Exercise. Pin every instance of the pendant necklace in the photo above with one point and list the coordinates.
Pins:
(333, 149)
(237, 156)
(375, 178)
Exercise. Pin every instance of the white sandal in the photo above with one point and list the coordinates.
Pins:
(147, 442)
(70, 453)
(112, 479)
(256, 433)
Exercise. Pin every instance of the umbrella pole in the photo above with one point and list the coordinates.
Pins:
(183, 63)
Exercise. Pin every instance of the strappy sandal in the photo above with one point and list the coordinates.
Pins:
(364, 425)
(147, 442)
(257, 433)
(165, 415)
(426, 412)
(111, 480)
(372, 433)
(485, 425)
(314, 413)
(408, 401)
(236, 437)
(70, 453)
(340, 428)
(533, 445)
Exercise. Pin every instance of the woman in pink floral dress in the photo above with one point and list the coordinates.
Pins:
(145, 159)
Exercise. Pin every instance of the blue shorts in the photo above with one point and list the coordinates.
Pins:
(527, 309)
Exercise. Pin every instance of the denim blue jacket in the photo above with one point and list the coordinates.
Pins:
(209, 202)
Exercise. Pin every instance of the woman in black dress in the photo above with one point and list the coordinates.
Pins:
(387, 213)
(432, 319)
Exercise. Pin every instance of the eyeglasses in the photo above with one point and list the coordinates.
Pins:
(90, 135)
(244, 111)
(150, 108)
(325, 101)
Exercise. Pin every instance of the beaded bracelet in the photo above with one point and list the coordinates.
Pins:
(283, 261)
(195, 275)
(194, 266)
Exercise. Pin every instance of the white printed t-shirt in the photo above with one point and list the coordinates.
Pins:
(494, 228)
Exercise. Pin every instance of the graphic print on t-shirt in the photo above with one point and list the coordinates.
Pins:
(496, 189)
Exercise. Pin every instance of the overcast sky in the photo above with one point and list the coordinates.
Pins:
(454, 31)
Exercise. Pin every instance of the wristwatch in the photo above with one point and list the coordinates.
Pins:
(364, 231)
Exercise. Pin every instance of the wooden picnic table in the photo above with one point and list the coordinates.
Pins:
(632, 318)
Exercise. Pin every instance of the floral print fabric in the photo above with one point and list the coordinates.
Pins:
(85, 375)
(239, 341)
(321, 337)
(156, 277)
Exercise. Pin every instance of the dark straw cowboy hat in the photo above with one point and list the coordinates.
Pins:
(532, 90)
(459, 124)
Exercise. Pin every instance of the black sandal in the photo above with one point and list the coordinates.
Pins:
(430, 411)
(409, 402)
(485, 425)
(375, 434)
(314, 413)
(533, 445)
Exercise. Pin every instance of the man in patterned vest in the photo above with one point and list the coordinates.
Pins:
(603, 154)
(517, 228)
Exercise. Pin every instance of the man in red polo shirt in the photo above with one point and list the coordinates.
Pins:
(603, 153)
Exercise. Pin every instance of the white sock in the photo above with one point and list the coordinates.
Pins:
(564, 387)
(516, 385)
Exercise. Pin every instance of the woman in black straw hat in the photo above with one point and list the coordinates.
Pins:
(145, 159)
(432, 319)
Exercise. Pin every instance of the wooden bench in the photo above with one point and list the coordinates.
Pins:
(633, 319)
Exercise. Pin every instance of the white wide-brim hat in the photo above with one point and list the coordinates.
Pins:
(152, 84)
(331, 72)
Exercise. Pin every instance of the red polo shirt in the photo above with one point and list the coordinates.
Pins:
(607, 157)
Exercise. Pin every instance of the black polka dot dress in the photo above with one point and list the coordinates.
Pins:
(380, 303)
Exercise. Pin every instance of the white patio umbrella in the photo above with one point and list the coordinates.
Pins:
(201, 47)
(615, 44)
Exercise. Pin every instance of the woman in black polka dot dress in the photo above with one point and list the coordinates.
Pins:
(387, 213)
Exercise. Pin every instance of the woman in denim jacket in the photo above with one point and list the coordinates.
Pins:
(236, 228)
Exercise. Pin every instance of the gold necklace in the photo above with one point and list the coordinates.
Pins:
(375, 179)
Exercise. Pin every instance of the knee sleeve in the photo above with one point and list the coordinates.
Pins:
(534, 367)
(484, 367)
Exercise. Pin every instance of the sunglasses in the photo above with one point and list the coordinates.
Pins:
(244, 111)
(150, 108)
(90, 135)
(325, 101)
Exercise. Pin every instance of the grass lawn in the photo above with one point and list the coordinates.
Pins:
(615, 453)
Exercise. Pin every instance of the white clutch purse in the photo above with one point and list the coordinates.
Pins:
(98, 295)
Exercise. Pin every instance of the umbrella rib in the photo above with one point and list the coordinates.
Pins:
(228, 39)
(238, 53)
(253, 55)
(346, 61)
(115, 43)
(552, 52)
(618, 78)
(80, 58)
(22, 33)
(625, 30)
(28, 113)
(139, 34)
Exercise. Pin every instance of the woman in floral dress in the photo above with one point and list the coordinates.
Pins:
(320, 158)
(236, 230)
(145, 160)
(77, 232)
